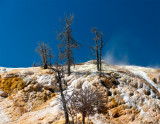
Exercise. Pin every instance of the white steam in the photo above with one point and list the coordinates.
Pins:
(111, 59)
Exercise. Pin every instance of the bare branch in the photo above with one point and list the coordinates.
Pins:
(67, 42)
(45, 52)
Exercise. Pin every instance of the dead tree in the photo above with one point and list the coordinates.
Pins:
(87, 101)
(71, 107)
(59, 70)
(101, 45)
(97, 50)
(96, 38)
(50, 56)
(43, 50)
(67, 42)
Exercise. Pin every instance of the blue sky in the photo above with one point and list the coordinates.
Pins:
(131, 27)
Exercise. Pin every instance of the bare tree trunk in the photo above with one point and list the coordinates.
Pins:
(44, 51)
(60, 79)
(98, 49)
(83, 118)
(100, 68)
(68, 55)
(50, 63)
(97, 55)
(67, 43)
(100, 63)
(100, 59)
(64, 104)
(45, 66)
(101, 47)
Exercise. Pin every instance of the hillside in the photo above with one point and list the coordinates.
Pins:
(30, 95)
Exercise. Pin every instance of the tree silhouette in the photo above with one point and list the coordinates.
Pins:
(59, 70)
(67, 42)
(97, 50)
(44, 51)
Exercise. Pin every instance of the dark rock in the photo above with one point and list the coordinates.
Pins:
(155, 80)
(3, 94)
(109, 93)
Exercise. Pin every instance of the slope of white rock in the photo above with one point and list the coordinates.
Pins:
(132, 88)
(144, 76)
(3, 116)
(141, 71)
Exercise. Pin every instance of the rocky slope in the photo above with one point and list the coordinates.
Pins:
(30, 95)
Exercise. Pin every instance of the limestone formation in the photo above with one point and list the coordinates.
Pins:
(31, 95)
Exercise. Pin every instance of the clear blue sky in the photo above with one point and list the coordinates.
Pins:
(131, 27)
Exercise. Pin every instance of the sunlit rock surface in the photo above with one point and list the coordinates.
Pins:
(30, 95)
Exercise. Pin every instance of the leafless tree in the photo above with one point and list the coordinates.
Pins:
(97, 50)
(70, 103)
(67, 42)
(87, 101)
(43, 50)
(60, 80)
(50, 56)
(101, 45)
